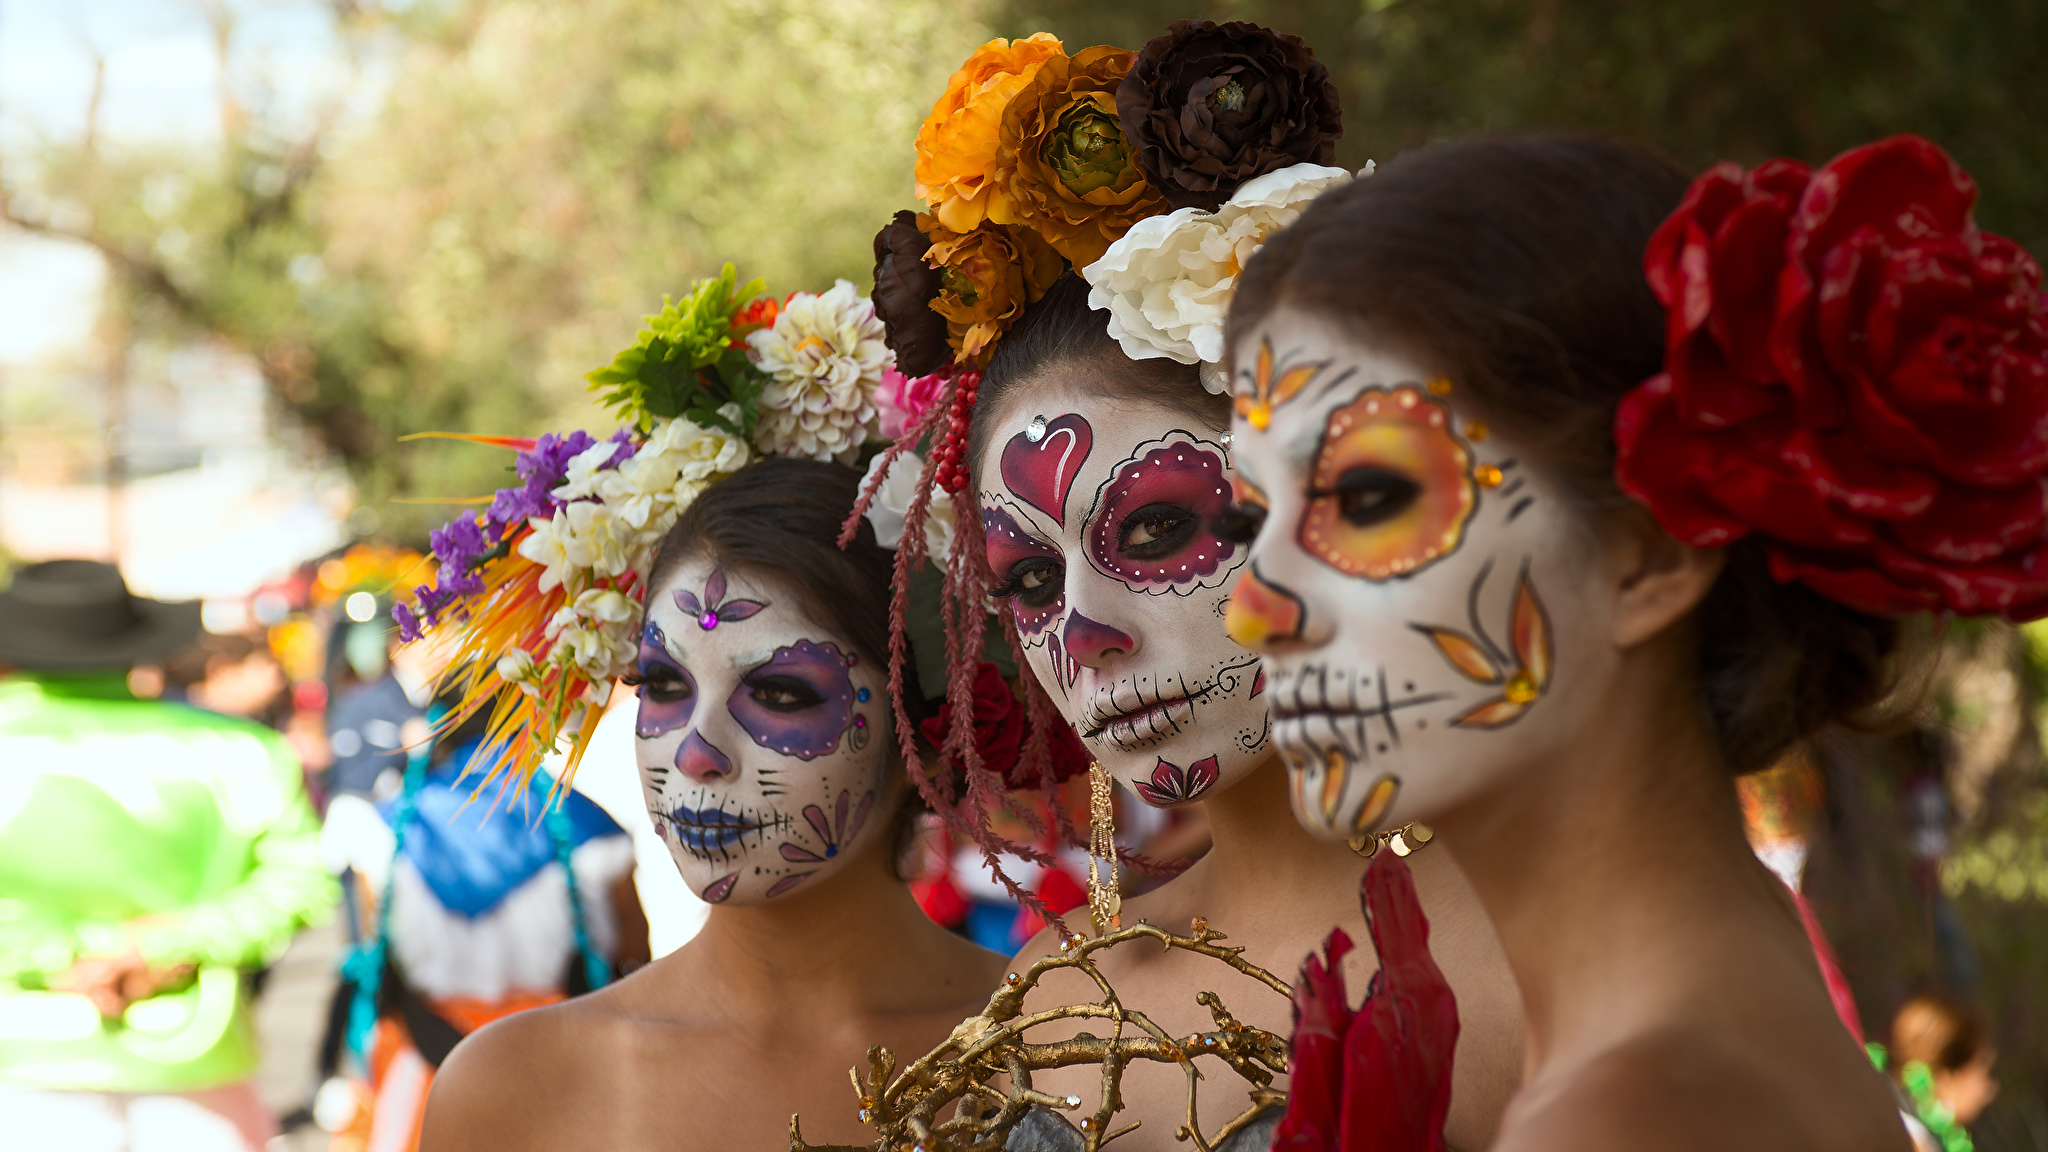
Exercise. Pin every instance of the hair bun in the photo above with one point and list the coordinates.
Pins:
(1855, 373)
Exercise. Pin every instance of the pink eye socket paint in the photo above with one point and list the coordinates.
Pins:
(1150, 527)
(1009, 544)
(805, 731)
(1041, 471)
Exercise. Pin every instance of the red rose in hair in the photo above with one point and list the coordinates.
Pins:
(1856, 373)
(999, 727)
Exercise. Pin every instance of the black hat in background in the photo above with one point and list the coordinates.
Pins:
(78, 616)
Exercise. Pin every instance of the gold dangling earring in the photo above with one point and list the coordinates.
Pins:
(1105, 901)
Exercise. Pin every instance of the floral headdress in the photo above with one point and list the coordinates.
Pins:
(545, 587)
(1155, 174)
(1856, 374)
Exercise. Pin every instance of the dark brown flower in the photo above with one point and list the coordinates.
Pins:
(1210, 106)
(905, 287)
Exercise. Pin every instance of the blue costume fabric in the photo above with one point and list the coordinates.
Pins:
(473, 857)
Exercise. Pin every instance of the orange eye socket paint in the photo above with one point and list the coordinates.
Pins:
(1402, 433)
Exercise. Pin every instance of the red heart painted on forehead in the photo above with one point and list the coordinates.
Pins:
(1041, 472)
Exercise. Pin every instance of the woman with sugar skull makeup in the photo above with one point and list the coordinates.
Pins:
(772, 732)
(769, 766)
(1080, 413)
(1541, 549)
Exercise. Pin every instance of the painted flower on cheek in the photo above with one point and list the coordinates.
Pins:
(1172, 784)
(1391, 489)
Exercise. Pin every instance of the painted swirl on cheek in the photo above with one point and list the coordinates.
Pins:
(659, 716)
(1180, 474)
(807, 733)
(1007, 545)
(1403, 433)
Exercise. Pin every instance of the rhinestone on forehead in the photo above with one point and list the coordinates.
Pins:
(1035, 431)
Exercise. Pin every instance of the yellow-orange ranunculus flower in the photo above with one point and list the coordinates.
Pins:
(1064, 167)
(958, 144)
(986, 277)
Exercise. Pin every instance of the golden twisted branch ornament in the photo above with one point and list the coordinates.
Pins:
(904, 1108)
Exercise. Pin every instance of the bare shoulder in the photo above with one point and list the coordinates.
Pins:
(1695, 1091)
(530, 1080)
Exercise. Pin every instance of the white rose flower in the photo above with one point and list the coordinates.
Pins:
(1168, 283)
(824, 357)
(891, 505)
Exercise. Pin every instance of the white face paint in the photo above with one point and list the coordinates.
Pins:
(763, 742)
(1420, 594)
(1096, 513)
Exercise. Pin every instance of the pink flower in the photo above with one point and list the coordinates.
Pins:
(902, 399)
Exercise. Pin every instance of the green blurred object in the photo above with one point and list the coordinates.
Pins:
(180, 833)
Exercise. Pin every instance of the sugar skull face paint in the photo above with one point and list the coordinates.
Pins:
(1414, 588)
(1118, 585)
(754, 742)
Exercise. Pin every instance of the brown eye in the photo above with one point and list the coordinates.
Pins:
(1369, 496)
(1155, 531)
(1035, 582)
(783, 694)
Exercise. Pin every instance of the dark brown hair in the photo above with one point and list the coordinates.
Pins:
(779, 519)
(1515, 266)
(1062, 329)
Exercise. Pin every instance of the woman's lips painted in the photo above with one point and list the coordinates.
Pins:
(1146, 717)
(710, 830)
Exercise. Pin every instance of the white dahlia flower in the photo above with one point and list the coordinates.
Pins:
(1168, 282)
(824, 358)
(891, 505)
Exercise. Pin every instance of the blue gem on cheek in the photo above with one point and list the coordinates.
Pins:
(831, 850)
(861, 695)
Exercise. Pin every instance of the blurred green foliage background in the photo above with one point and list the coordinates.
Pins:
(532, 175)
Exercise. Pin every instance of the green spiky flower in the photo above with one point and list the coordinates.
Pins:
(687, 360)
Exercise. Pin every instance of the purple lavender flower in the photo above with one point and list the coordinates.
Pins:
(541, 471)
(409, 628)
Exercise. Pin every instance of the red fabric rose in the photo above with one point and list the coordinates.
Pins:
(1857, 373)
(999, 728)
(1377, 1079)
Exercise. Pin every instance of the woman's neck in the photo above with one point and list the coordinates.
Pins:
(857, 941)
(1617, 876)
(1257, 848)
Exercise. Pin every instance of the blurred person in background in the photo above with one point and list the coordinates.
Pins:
(376, 700)
(1940, 1058)
(151, 854)
(234, 675)
(471, 912)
